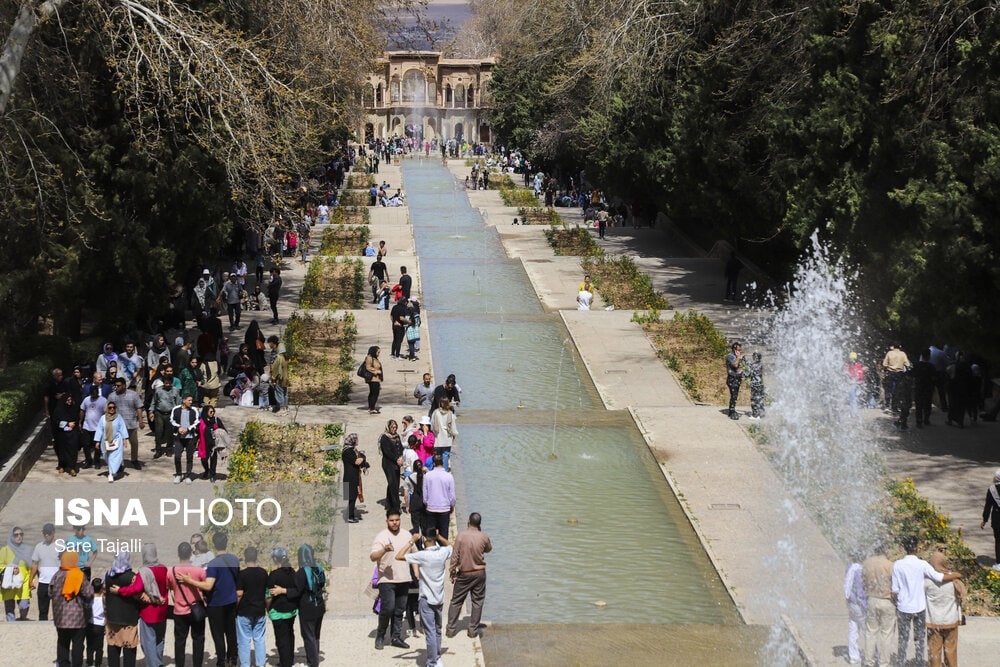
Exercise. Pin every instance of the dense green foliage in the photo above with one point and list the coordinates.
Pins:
(21, 387)
(758, 123)
(143, 140)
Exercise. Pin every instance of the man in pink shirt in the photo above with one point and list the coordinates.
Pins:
(184, 596)
(439, 496)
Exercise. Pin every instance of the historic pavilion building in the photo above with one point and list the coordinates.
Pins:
(423, 95)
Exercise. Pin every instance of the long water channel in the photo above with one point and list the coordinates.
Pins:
(536, 448)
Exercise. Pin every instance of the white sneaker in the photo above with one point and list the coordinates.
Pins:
(187, 480)
(111, 477)
(439, 663)
(177, 479)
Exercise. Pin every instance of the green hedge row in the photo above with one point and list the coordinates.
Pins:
(23, 382)
(21, 388)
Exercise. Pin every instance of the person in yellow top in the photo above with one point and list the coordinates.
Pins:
(15, 566)
(279, 373)
(586, 285)
(895, 363)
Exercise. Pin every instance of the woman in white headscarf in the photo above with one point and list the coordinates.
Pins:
(991, 513)
(15, 565)
(111, 435)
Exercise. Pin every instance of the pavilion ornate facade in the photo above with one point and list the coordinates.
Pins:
(423, 95)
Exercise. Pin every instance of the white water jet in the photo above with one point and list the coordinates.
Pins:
(827, 457)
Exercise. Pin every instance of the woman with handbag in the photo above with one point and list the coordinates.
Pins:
(207, 428)
(111, 434)
(189, 608)
(413, 331)
(66, 416)
(373, 376)
(445, 430)
(15, 564)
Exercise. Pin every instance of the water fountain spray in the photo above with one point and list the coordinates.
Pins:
(827, 458)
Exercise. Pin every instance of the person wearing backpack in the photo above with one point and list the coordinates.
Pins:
(212, 383)
(413, 329)
(310, 591)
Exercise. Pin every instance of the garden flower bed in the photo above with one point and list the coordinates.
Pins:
(359, 181)
(694, 350)
(912, 514)
(620, 283)
(539, 216)
(520, 197)
(286, 462)
(574, 241)
(320, 358)
(354, 198)
(340, 240)
(333, 283)
(350, 215)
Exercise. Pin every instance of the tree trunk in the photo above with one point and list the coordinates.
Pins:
(17, 43)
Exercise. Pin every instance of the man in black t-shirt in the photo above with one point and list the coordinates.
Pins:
(377, 274)
(405, 283)
(251, 612)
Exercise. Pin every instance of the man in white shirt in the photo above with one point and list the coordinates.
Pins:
(324, 213)
(44, 564)
(430, 566)
(91, 411)
(908, 574)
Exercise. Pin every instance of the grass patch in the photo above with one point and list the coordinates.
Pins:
(333, 283)
(575, 241)
(354, 198)
(694, 350)
(518, 197)
(620, 283)
(320, 358)
(360, 181)
(912, 514)
(343, 240)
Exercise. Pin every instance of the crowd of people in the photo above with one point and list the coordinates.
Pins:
(415, 457)
(887, 599)
(957, 379)
(129, 606)
(174, 389)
